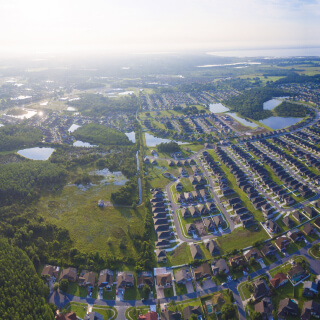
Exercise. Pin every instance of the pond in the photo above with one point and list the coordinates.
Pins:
(73, 128)
(126, 93)
(29, 113)
(117, 177)
(36, 153)
(71, 109)
(83, 144)
(217, 108)
(276, 123)
(131, 135)
(270, 104)
(153, 141)
(242, 120)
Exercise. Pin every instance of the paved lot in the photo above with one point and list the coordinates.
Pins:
(189, 286)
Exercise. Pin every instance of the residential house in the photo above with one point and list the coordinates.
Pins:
(164, 280)
(253, 253)
(209, 224)
(161, 255)
(179, 186)
(282, 243)
(151, 315)
(288, 222)
(185, 213)
(317, 222)
(87, 278)
(237, 260)
(219, 266)
(164, 235)
(264, 307)
(278, 280)
(213, 248)
(70, 274)
(93, 316)
(287, 307)
(105, 279)
(191, 228)
(190, 310)
(260, 289)
(194, 211)
(202, 271)
(295, 235)
(308, 229)
(310, 289)
(125, 279)
(298, 216)
(50, 271)
(296, 273)
(183, 275)
(145, 278)
(310, 310)
(268, 249)
(66, 316)
(170, 315)
(196, 252)
(311, 212)
(272, 226)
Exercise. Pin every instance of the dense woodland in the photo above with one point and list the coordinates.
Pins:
(250, 103)
(23, 293)
(17, 136)
(297, 78)
(126, 195)
(22, 182)
(98, 105)
(288, 109)
(168, 147)
(102, 135)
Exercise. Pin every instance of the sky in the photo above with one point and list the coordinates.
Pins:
(140, 26)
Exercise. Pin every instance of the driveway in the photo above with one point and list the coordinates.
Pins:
(208, 284)
(189, 286)
(160, 293)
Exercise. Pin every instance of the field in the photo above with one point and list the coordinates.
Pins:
(92, 228)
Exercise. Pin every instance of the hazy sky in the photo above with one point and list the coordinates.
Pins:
(163, 25)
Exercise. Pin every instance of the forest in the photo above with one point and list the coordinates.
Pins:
(168, 147)
(98, 105)
(17, 136)
(101, 135)
(126, 195)
(250, 103)
(24, 181)
(22, 293)
(288, 109)
(297, 78)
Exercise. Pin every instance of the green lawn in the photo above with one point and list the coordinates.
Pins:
(181, 289)
(107, 313)
(134, 312)
(244, 290)
(79, 308)
(181, 255)
(77, 290)
(284, 268)
(109, 295)
(168, 292)
(187, 186)
(92, 228)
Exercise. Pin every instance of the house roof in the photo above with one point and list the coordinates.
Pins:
(88, 277)
(67, 316)
(308, 228)
(308, 307)
(123, 278)
(70, 273)
(49, 270)
(264, 306)
(278, 279)
(183, 274)
(106, 276)
(170, 315)
(148, 316)
(287, 305)
(202, 270)
(295, 269)
(188, 311)
(260, 289)
(164, 278)
(196, 251)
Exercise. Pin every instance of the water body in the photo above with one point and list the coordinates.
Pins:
(284, 52)
(125, 93)
(36, 153)
(83, 144)
(1, 125)
(73, 128)
(29, 114)
(276, 123)
(71, 109)
(153, 141)
(117, 178)
(271, 104)
(227, 64)
(131, 135)
(218, 108)
(242, 120)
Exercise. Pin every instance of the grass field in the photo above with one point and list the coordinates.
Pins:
(92, 228)
(180, 255)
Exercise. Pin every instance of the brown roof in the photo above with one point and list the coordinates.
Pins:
(280, 242)
(162, 279)
(69, 274)
(277, 279)
(106, 276)
(124, 278)
(88, 278)
(67, 316)
(49, 270)
(148, 316)
(202, 270)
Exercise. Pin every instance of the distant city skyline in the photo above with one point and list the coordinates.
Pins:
(148, 26)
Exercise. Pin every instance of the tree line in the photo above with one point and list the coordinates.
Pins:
(288, 109)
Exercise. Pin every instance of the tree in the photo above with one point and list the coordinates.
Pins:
(256, 315)
(56, 286)
(64, 284)
(248, 278)
(252, 261)
(227, 311)
(193, 317)
(146, 291)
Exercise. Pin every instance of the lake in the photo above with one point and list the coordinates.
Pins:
(276, 123)
(117, 177)
(73, 128)
(36, 153)
(71, 109)
(131, 135)
(29, 113)
(153, 141)
(83, 144)
(218, 107)
(125, 93)
(270, 104)
(242, 120)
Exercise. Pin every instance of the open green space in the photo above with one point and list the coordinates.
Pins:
(181, 255)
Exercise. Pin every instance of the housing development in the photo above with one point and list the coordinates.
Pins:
(160, 195)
